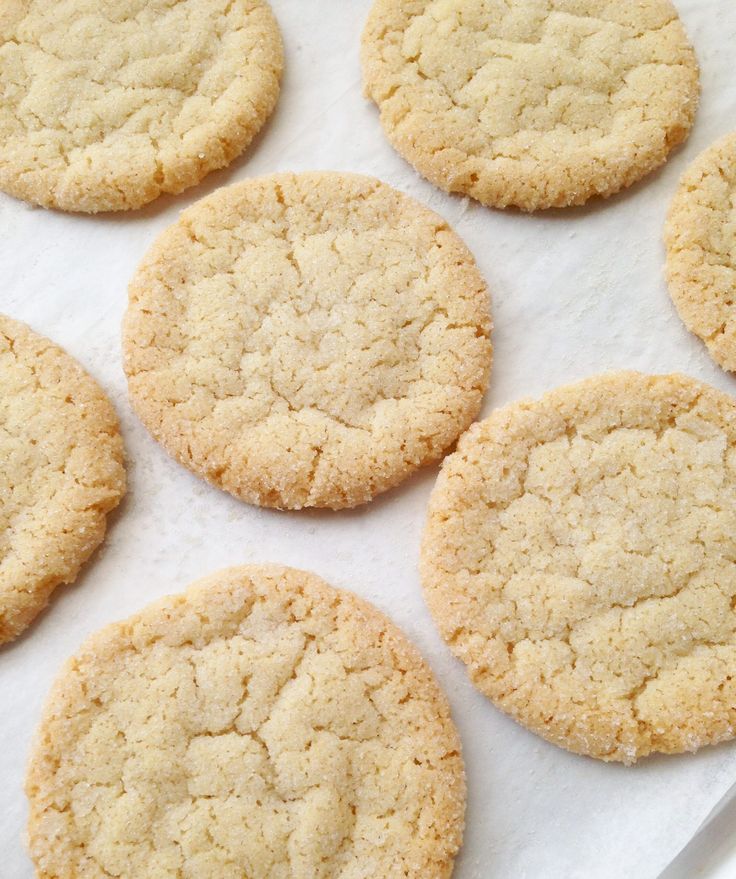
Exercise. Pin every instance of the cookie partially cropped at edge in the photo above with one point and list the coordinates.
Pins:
(261, 724)
(307, 340)
(531, 104)
(104, 107)
(700, 236)
(61, 471)
(579, 558)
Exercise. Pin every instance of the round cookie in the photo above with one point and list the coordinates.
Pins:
(532, 103)
(61, 471)
(262, 724)
(105, 106)
(307, 340)
(579, 559)
(700, 236)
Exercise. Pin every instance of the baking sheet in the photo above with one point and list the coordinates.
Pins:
(574, 292)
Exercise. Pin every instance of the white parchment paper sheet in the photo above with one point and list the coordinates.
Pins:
(574, 292)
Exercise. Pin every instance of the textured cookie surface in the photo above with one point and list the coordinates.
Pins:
(307, 340)
(701, 250)
(260, 725)
(580, 558)
(61, 471)
(533, 103)
(104, 106)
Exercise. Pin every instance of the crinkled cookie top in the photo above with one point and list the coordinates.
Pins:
(61, 471)
(104, 106)
(260, 725)
(307, 339)
(701, 250)
(580, 558)
(533, 103)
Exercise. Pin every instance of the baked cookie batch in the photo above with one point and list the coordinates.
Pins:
(309, 340)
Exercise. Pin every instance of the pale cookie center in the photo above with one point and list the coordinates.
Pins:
(265, 751)
(35, 446)
(25, 488)
(513, 79)
(332, 322)
(618, 557)
(77, 75)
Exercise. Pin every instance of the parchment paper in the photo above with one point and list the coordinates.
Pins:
(574, 292)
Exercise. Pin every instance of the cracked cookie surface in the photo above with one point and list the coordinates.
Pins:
(105, 106)
(700, 237)
(260, 725)
(531, 103)
(580, 559)
(61, 471)
(307, 340)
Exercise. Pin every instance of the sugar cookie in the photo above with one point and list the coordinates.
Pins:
(701, 250)
(105, 106)
(262, 724)
(532, 103)
(580, 559)
(61, 471)
(307, 339)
